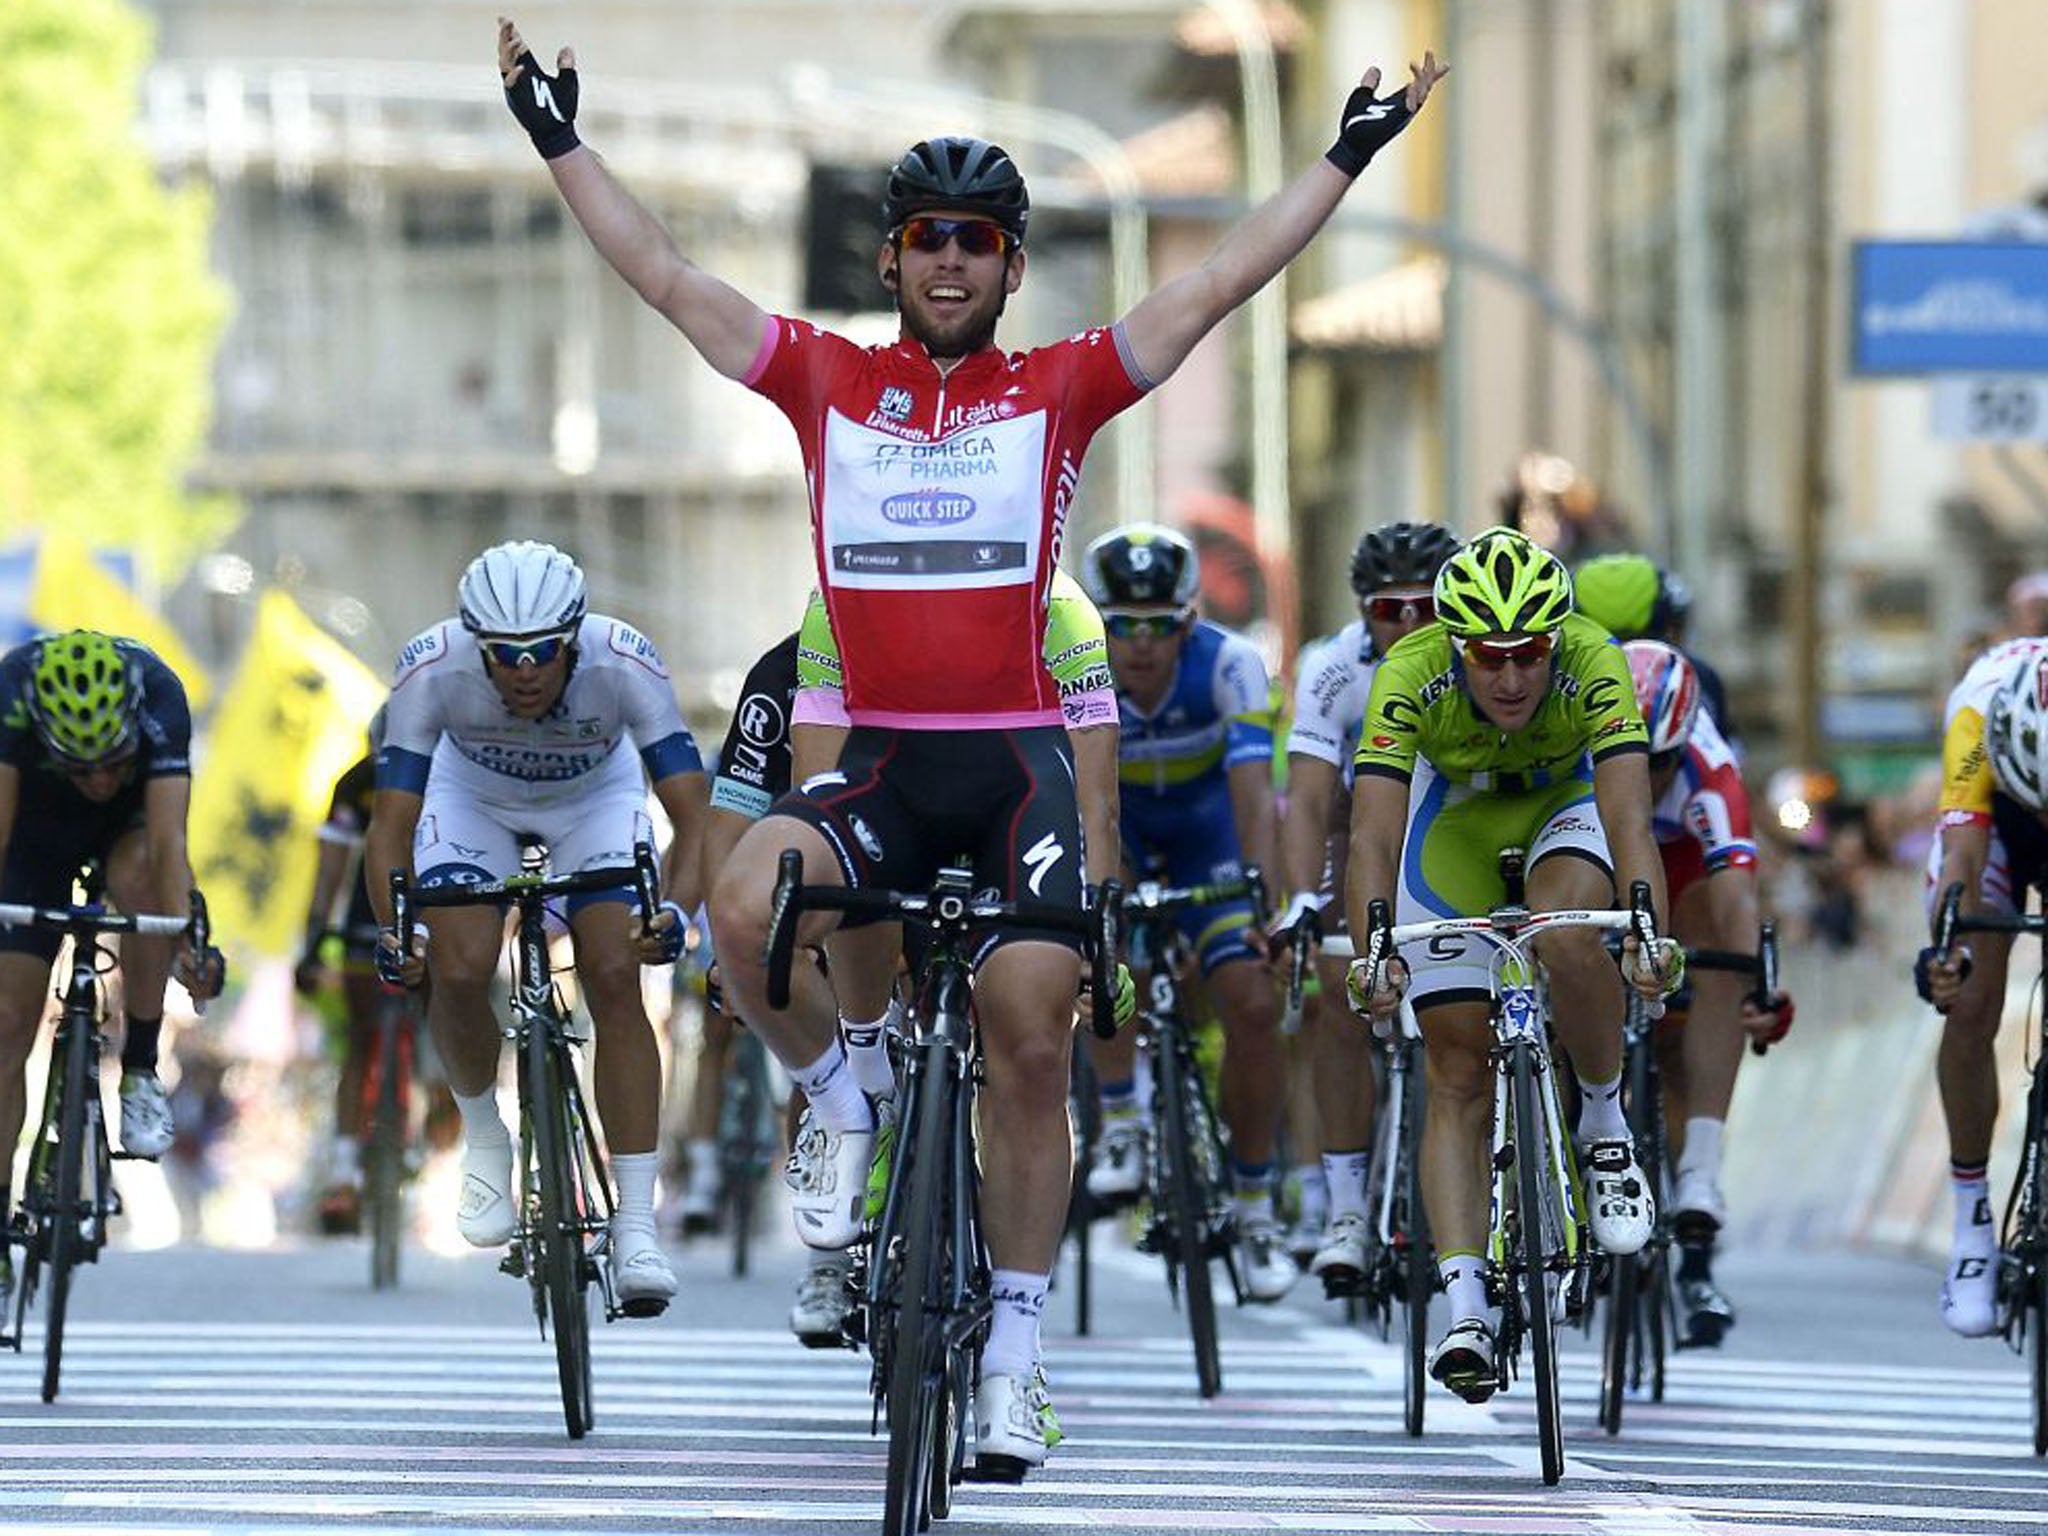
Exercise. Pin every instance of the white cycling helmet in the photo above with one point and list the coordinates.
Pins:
(1667, 692)
(2016, 733)
(521, 589)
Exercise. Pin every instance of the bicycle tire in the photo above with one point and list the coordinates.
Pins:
(385, 1155)
(1531, 1159)
(949, 1435)
(916, 1362)
(1628, 1332)
(741, 1160)
(66, 1248)
(1189, 1203)
(561, 1246)
(1420, 1278)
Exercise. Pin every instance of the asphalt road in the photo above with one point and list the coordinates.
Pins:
(273, 1390)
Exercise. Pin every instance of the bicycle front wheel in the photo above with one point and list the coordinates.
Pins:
(917, 1353)
(1189, 1195)
(1532, 1200)
(746, 1154)
(1417, 1260)
(561, 1215)
(67, 1249)
(385, 1159)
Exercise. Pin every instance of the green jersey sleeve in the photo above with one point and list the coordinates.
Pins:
(1605, 700)
(817, 651)
(1076, 651)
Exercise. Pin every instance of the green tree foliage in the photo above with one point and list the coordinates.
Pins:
(108, 313)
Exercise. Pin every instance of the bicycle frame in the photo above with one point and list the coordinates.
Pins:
(69, 1196)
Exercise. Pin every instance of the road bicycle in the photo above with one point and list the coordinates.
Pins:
(748, 1141)
(1190, 1223)
(562, 1232)
(1641, 1330)
(1539, 1253)
(923, 1268)
(2023, 1235)
(68, 1198)
(1399, 1272)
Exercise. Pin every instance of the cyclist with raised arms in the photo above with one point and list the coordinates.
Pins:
(1701, 822)
(1392, 572)
(523, 708)
(95, 767)
(1195, 745)
(940, 471)
(1991, 837)
(1509, 722)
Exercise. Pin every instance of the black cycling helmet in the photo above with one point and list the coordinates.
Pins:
(1141, 565)
(957, 172)
(1400, 555)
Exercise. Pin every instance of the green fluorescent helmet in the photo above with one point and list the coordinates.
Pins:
(1503, 583)
(1619, 593)
(82, 697)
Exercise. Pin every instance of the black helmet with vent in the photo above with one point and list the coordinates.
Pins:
(957, 172)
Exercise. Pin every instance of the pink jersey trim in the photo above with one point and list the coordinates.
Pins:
(904, 720)
(820, 706)
(771, 333)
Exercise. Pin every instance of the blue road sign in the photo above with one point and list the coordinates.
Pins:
(1948, 306)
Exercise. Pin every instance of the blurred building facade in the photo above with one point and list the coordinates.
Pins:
(1593, 248)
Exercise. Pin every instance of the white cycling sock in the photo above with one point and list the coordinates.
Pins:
(482, 1126)
(1976, 1232)
(1464, 1277)
(867, 1050)
(348, 1158)
(1019, 1298)
(633, 1173)
(824, 1258)
(1345, 1172)
(1312, 1193)
(835, 1096)
(1600, 1116)
(1702, 1157)
(700, 1158)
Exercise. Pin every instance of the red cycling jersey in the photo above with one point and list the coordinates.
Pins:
(1702, 820)
(937, 503)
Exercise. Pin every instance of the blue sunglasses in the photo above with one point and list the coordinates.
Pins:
(524, 653)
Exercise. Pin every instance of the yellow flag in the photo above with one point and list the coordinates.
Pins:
(72, 590)
(290, 723)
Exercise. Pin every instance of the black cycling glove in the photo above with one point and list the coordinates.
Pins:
(545, 105)
(1923, 983)
(1368, 125)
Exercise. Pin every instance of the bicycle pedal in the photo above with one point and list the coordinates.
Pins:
(514, 1264)
(644, 1306)
(996, 1469)
(133, 1157)
(1340, 1284)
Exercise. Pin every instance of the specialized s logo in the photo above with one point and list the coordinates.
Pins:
(928, 508)
(1040, 857)
(1378, 112)
(545, 99)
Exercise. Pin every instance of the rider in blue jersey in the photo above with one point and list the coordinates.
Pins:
(1195, 782)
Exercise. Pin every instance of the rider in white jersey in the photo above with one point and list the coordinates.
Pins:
(506, 728)
(1391, 573)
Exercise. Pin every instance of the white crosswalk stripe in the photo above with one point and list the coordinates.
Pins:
(285, 1427)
